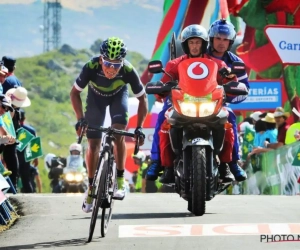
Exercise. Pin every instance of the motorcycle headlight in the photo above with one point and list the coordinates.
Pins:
(70, 177)
(188, 109)
(206, 108)
(78, 177)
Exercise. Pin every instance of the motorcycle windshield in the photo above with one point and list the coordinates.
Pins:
(197, 76)
(74, 163)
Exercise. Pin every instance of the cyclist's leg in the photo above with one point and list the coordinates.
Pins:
(237, 171)
(119, 118)
(95, 115)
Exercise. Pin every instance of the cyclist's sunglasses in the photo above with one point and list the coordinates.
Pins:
(114, 65)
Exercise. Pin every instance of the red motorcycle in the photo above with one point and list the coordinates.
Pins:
(197, 118)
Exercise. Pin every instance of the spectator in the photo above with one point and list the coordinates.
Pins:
(270, 134)
(3, 75)
(19, 99)
(11, 81)
(280, 117)
(249, 120)
(255, 116)
(25, 168)
(139, 160)
(35, 179)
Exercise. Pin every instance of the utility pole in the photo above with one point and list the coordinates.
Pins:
(52, 24)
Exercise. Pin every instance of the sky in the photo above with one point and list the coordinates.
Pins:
(83, 22)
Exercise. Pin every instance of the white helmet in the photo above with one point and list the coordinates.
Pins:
(47, 160)
(75, 147)
(140, 155)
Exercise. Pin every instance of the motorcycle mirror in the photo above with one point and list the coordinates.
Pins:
(155, 67)
(235, 88)
(238, 68)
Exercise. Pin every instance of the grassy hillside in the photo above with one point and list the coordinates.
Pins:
(48, 78)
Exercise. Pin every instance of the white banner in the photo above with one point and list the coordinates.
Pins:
(286, 42)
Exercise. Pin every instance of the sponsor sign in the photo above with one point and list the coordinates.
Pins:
(285, 40)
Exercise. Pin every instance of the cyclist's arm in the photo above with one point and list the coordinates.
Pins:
(139, 92)
(79, 84)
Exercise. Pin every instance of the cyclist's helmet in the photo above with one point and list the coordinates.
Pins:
(224, 28)
(113, 48)
(193, 31)
(75, 147)
(140, 155)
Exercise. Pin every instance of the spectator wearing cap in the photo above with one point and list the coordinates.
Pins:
(280, 118)
(11, 81)
(255, 116)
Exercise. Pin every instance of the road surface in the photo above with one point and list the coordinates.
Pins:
(157, 221)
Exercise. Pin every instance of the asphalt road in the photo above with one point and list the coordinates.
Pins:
(157, 221)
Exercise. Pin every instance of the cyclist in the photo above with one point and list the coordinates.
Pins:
(107, 77)
(221, 37)
(194, 41)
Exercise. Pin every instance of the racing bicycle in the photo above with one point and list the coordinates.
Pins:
(104, 183)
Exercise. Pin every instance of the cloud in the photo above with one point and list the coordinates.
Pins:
(88, 6)
(153, 4)
(126, 36)
(17, 1)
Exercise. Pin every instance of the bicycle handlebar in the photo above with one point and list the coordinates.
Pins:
(111, 131)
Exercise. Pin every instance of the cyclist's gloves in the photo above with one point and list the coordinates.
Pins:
(81, 123)
(139, 133)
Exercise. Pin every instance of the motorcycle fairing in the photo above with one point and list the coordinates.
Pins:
(196, 141)
(198, 76)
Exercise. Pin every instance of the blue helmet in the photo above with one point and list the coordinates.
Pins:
(224, 28)
(193, 31)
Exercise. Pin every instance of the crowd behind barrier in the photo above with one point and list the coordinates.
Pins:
(276, 172)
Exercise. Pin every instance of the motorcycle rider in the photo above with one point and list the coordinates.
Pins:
(75, 149)
(194, 41)
(221, 37)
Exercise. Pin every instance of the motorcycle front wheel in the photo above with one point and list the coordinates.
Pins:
(197, 202)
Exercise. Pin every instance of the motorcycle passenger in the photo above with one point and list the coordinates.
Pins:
(107, 77)
(194, 41)
(221, 37)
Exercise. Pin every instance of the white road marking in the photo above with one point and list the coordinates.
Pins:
(126, 231)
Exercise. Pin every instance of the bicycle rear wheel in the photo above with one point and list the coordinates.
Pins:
(100, 194)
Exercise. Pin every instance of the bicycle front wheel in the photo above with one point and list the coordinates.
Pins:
(100, 194)
(107, 206)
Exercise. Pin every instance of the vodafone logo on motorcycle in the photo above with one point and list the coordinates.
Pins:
(197, 70)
